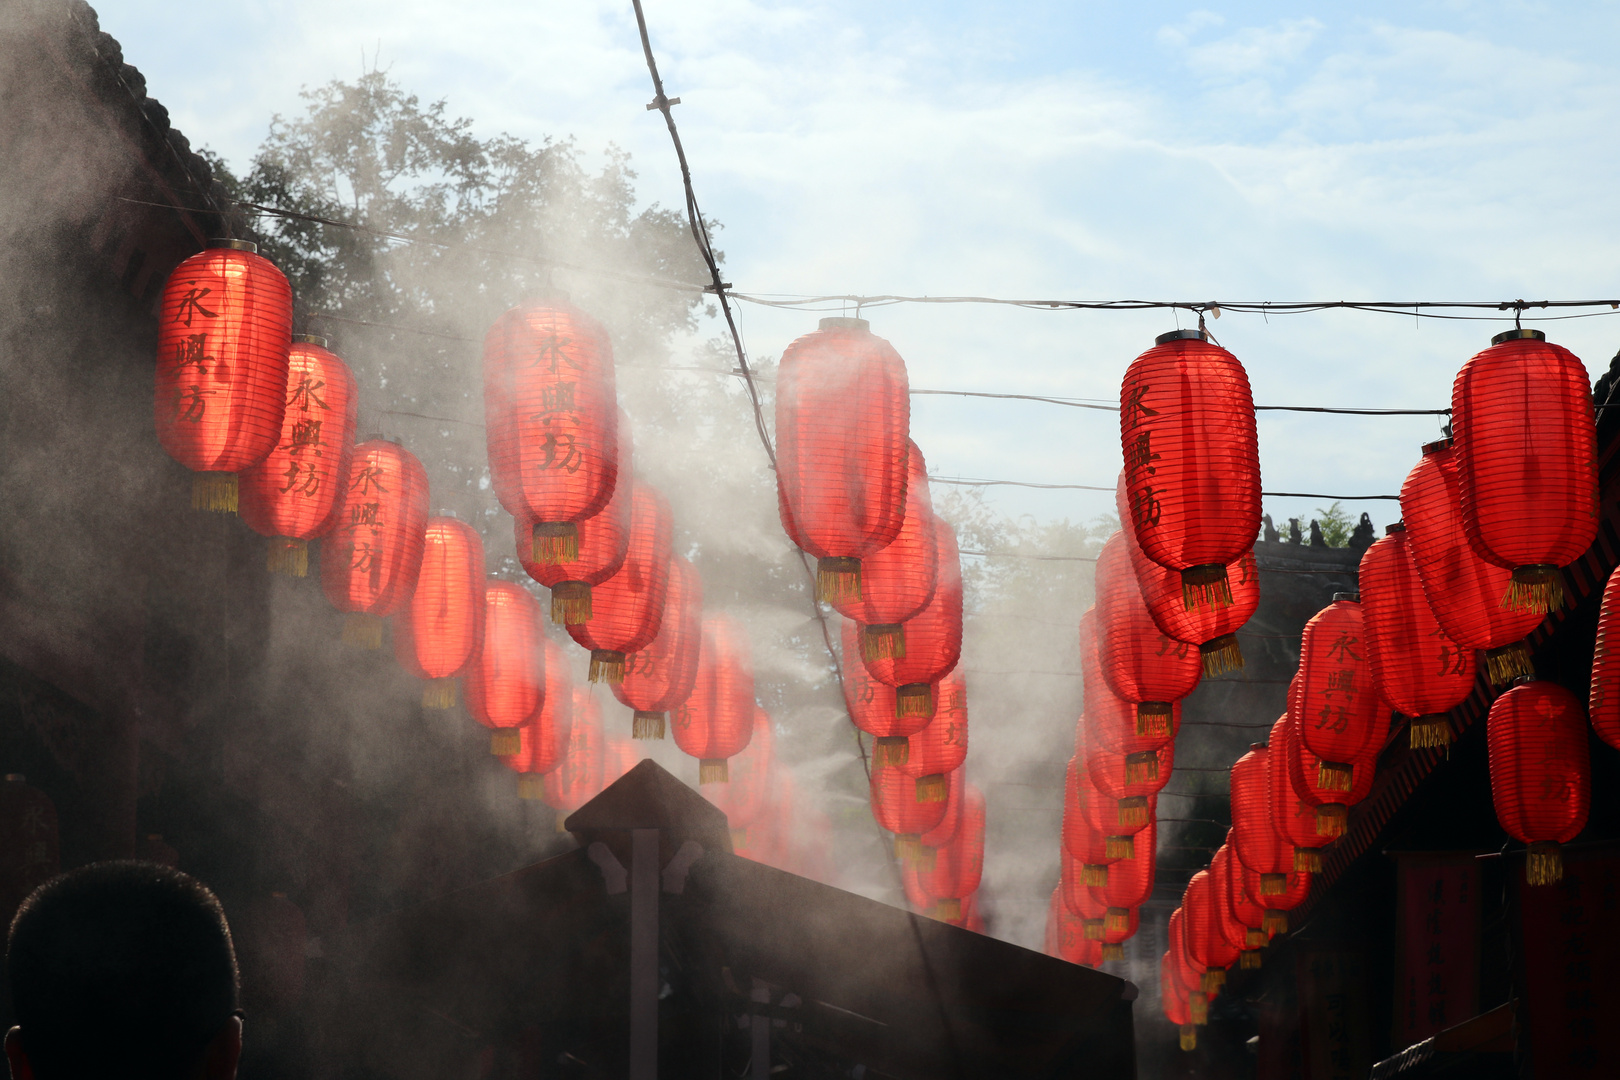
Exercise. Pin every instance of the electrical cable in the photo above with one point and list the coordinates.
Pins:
(1096, 487)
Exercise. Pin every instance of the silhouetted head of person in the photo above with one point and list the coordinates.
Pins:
(123, 969)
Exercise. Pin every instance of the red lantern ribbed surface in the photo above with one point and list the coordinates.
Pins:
(1521, 413)
(628, 608)
(940, 748)
(1126, 776)
(1130, 880)
(507, 684)
(1322, 788)
(1260, 889)
(1200, 921)
(1256, 843)
(659, 677)
(224, 331)
(941, 833)
(1116, 817)
(1139, 663)
(1077, 897)
(1464, 590)
(1294, 819)
(603, 540)
(552, 416)
(543, 738)
(895, 806)
(1541, 772)
(292, 495)
(874, 706)
(1192, 461)
(1081, 839)
(1227, 924)
(897, 581)
(933, 637)
(439, 633)
(717, 718)
(1420, 671)
(1603, 700)
(746, 793)
(1113, 723)
(843, 415)
(1067, 936)
(1339, 715)
(1251, 915)
(959, 864)
(579, 777)
(370, 561)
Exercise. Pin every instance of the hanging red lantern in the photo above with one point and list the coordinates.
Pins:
(628, 608)
(619, 757)
(1339, 715)
(1130, 883)
(1189, 973)
(292, 494)
(895, 806)
(1293, 819)
(1521, 413)
(874, 706)
(1200, 924)
(1081, 839)
(1295, 888)
(1192, 460)
(897, 581)
(1077, 897)
(507, 684)
(959, 864)
(1541, 772)
(933, 637)
(1245, 911)
(1174, 1000)
(551, 412)
(717, 717)
(1115, 723)
(1120, 820)
(1464, 590)
(1256, 843)
(940, 834)
(843, 413)
(438, 634)
(1305, 776)
(940, 748)
(603, 541)
(1129, 776)
(579, 777)
(543, 738)
(370, 560)
(1229, 924)
(660, 676)
(224, 332)
(743, 796)
(1603, 700)
(1067, 938)
(1419, 671)
(1138, 661)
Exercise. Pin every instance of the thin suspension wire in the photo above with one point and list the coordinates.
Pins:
(962, 482)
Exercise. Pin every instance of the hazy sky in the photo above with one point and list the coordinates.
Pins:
(1411, 151)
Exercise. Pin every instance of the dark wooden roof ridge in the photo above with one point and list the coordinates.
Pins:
(650, 797)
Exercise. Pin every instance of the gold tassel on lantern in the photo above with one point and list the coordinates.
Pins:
(907, 846)
(1307, 860)
(1198, 1005)
(554, 543)
(883, 641)
(1543, 864)
(1334, 775)
(607, 665)
(1274, 922)
(925, 858)
(1205, 585)
(1249, 960)
(286, 555)
(1221, 655)
(914, 699)
(1119, 847)
(1133, 810)
(1331, 819)
(890, 750)
(647, 725)
(1094, 874)
(570, 603)
(214, 491)
(948, 909)
(1113, 951)
(1117, 920)
(713, 771)
(1093, 929)
(934, 787)
(838, 578)
(1189, 1037)
(504, 742)
(1508, 663)
(531, 786)
(1142, 768)
(1535, 588)
(1273, 884)
(439, 694)
(364, 630)
(1213, 980)
(1254, 939)
(1153, 718)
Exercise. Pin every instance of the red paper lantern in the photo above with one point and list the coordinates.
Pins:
(1521, 413)
(717, 718)
(1118, 819)
(1305, 776)
(959, 864)
(1130, 883)
(843, 413)
(1256, 843)
(1541, 772)
(1192, 460)
(874, 706)
(660, 676)
(1115, 723)
(1200, 923)
(1418, 670)
(940, 748)
(1066, 936)
(1175, 1002)
(603, 541)
(579, 777)
(507, 684)
(628, 608)
(438, 634)
(1296, 887)
(895, 806)
(224, 332)
(1293, 819)
(292, 495)
(370, 561)
(1129, 776)
(1463, 589)
(1339, 715)
(1189, 972)
(940, 834)
(619, 757)
(897, 581)
(552, 416)
(1078, 900)
(1603, 700)
(744, 795)
(1139, 663)
(543, 738)
(1081, 839)
(1228, 923)
(933, 637)
(1245, 911)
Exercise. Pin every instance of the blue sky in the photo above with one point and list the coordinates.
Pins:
(1256, 152)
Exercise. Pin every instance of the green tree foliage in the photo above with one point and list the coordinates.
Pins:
(1337, 525)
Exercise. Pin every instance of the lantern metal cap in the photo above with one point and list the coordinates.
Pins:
(1436, 446)
(1181, 335)
(1395, 527)
(841, 323)
(1350, 597)
(234, 245)
(1518, 333)
(309, 339)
